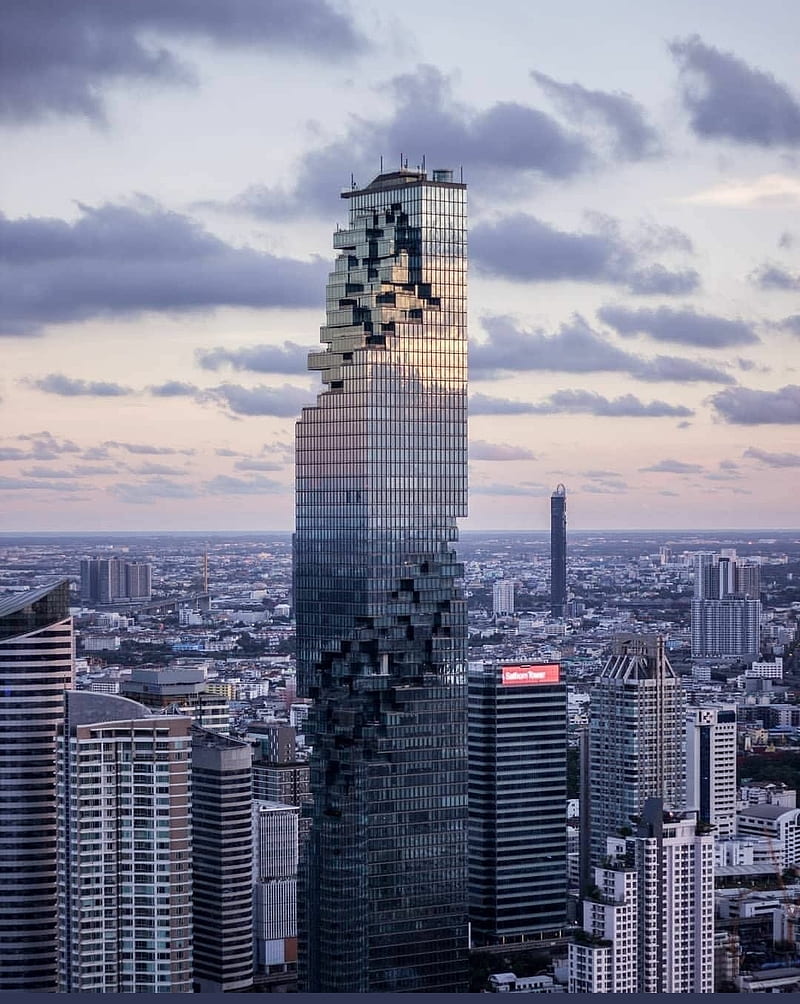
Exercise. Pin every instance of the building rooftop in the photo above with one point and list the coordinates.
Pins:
(18, 601)
(766, 811)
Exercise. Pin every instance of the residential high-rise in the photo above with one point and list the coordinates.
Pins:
(635, 742)
(517, 802)
(503, 598)
(125, 848)
(648, 921)
(107, 580)
(726, 608)
(222, 870)
(711, 766)
(558, 552)
(275, 856)
(381, 619)
(36, 668)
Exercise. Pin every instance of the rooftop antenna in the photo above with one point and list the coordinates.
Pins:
(423, 163)
(462, 174)
(352, 180)
(381, 163)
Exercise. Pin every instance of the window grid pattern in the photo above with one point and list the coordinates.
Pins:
(381, 619)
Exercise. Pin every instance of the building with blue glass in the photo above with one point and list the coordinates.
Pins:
(381, 619)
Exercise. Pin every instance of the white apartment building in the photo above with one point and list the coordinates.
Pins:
(503, 598)
(649, 919)
(780, 825)
(125, 848)
(711, 766)
(765, 670)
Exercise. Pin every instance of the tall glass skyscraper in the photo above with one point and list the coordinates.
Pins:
(558, 552)
(36, 668)
(381, 619)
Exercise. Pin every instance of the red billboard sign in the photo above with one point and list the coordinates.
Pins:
(526, 676)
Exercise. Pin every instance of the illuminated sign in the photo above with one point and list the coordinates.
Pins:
(521, 676)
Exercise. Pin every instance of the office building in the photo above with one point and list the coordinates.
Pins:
(381, 619)
(222, 829)
(181, 687)
(648, 921)
(711, 766)
(726, 609)
(36, 668)
(111, 580)
(275, 857)
(558, 552)
(634, 742)
(503, 598)
(125, 848)
(517, 802)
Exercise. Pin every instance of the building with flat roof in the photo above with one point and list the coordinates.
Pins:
(517, 742)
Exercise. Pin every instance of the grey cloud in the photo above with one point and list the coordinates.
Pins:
(786, 240)
(575, 348)
(742, 406)
(288, 358)
(605, 489)
(39, 446)
(119, 260)
(32, 484)
(727, 99)
(685, 327)
(673, 467)
(93, 471)
(728, 465)
(577, 402)
(507, 136)
(634, 138)
(47, 472)
(173, 388)
(525, 488)
(223, 484)
(522, 248)
(64, 386)
(481, 450)
(773, 459)
(626, 406)
(282, 402)
(775, 277)
(601, 474)
(257, 465)
(224, 452)
(58, 59)
(656, 280)
(146, 449)
(484, 404)
(791, 324)
(147, 492)
(669, 493)
(159, 470)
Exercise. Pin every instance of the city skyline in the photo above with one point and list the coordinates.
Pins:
(633, 272)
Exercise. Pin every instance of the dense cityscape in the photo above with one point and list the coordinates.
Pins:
(213, 636)
(382, 736)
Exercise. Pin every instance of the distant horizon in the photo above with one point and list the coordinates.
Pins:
(490, 532)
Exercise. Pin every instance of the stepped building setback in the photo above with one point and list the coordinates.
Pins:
(381, 619)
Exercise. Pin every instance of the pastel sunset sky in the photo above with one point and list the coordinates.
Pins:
(170, 182)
